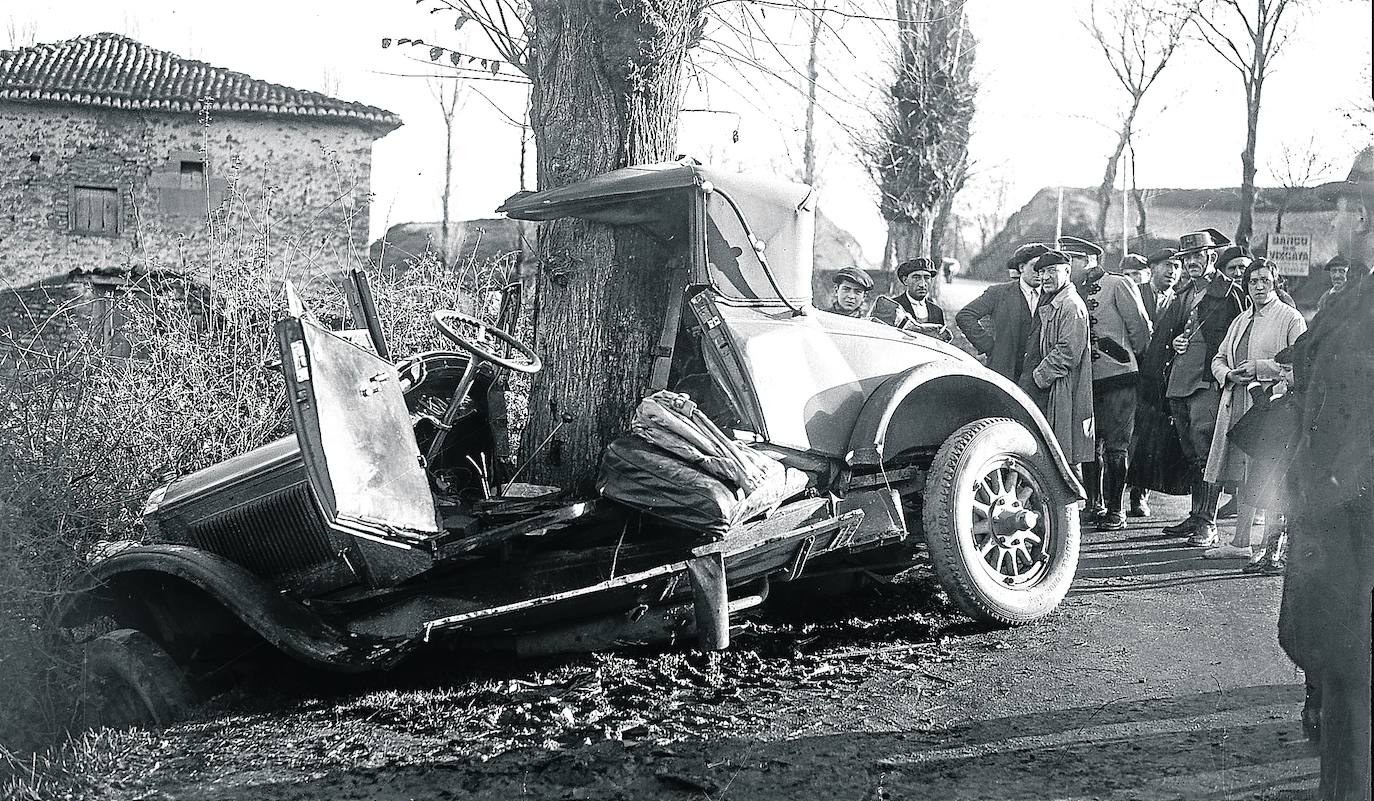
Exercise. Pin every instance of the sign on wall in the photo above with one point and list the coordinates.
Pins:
(1291, 253)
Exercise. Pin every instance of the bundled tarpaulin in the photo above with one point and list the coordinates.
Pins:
(677, 465)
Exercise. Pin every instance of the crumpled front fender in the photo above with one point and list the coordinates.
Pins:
(923, 406)
(287, 624)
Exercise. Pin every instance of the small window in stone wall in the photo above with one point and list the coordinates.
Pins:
(95, 211)
(193, 175)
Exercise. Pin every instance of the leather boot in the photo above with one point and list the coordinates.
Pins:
(1199, 500)
(1092, 484)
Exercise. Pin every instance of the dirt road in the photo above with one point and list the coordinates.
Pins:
(1159, 679)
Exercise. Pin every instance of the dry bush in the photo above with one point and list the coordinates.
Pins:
(90, 426)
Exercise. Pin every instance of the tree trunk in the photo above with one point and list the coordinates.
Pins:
(1108, 185)
(444, 256)
(1245, 229)
(606, 94)
(905, 240)
(809, 146)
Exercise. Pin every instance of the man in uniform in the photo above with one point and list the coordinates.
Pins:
(852, 286)
(1119, 329)
(1191, 330)
(998, 322)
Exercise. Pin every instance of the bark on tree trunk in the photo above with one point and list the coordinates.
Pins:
(1245, 228)
(905, 240)
(448, 188)
(606, 94)
(1107, 188)
(809, 146)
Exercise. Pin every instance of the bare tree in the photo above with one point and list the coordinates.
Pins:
(1360, 111)
(984, 203)
(918, 153)
(1297, 167)
(1249, 35)
(1137, 39)
(812, 74)
(450, 95)
(606, 88)
(21, 33)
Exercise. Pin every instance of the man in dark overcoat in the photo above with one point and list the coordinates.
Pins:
(998, 322)
(1324, 616)
(1151, 411)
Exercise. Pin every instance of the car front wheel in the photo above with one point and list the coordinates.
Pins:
(131, 681)
(1001, 527)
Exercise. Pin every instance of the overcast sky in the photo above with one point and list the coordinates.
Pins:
(1044, 115)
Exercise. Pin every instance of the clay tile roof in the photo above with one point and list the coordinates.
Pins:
(113, 71)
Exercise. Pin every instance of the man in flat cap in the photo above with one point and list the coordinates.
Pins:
(1188, 335)
(922, 314)
(1158, 292)
(1057, 371)
(852, 286)
(1022, 255)
(1338, 271)
(1135, 267)
(998, 322)
(1119, 329)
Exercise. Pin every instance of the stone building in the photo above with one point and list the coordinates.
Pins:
(115, 155)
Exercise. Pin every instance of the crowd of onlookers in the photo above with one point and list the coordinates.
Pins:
(1191, 371)
(1141, 373)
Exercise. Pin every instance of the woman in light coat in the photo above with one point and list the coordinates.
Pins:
(1245, 360)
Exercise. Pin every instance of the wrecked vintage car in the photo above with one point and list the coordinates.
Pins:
(377, 528)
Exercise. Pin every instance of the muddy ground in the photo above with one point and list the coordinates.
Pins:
(1160, 678)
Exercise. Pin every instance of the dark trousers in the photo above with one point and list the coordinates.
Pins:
(1195, 418)
(1114, 417)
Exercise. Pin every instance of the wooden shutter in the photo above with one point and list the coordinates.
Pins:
(95, 210)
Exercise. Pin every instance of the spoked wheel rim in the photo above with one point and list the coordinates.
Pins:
(1011, 524)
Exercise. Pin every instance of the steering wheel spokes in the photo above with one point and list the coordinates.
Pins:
(485, 341)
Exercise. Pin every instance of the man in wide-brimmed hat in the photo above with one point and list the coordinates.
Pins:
(1188, 335)
(998, 321)
(1119, 329)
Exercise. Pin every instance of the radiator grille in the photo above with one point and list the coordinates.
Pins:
(280, 537)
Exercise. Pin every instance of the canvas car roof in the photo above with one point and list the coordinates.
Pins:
(754, 192)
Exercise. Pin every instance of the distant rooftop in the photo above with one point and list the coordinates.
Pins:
(112, 71)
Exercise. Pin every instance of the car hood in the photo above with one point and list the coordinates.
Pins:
(812, 373)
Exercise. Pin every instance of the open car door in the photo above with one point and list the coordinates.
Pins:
(355, 435)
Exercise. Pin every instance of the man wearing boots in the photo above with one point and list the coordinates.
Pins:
(1192, 329)
(1119, 329)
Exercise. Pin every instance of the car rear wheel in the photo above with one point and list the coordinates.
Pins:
(131, 681)
(1001, 527)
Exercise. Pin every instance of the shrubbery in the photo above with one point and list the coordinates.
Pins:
(88, 428)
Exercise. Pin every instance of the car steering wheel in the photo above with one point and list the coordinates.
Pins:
(449, 323)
